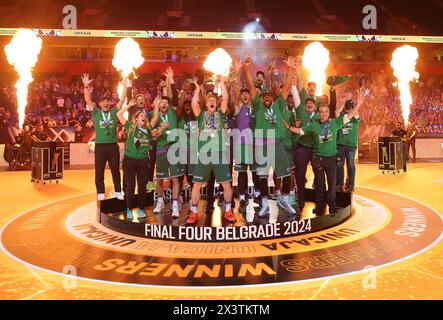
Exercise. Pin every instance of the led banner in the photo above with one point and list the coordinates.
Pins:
(148, 34)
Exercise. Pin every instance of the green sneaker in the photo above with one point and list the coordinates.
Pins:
(129, 214)
(280, 200)
(151, 186)
(141, 213)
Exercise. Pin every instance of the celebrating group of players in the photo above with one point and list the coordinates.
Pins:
(204, 135)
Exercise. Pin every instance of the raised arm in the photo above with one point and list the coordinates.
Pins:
(87, 91)
(249, 79)
(120, 112)
(290, 62)
(125, 92)
(339, 108)
(169, 74)
(181, 105)
(294, 92)
(332, 100)
(272, 81)
(360, 100)
(195, 99)
(156, 105)
(236, 84)
(225, 96)
(300, 83)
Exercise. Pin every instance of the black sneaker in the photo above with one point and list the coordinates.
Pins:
(243, 204)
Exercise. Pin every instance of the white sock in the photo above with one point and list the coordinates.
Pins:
(278, 192)
(242, 197)
(256, 193)
(193, 208)
(264, 202)
(159, 199)
(228, 206)
(292, 192)
(286, 198)
(174, 203)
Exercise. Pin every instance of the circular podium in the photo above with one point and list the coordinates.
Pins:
(213, 228)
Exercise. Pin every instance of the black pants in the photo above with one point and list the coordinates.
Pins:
(151, 160)
(107, 152)
(410, 144)
(243, 181)
(322, 166)
(135, 169)
(302, 157)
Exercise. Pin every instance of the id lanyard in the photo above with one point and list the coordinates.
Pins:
(107, 120)
(145, 131)
(325, 129)
(270, 114)
(164, 118)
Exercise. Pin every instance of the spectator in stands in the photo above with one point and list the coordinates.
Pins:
(78, 133)
(39, 135)
(52, 123)
(3, 118)
(89, 123)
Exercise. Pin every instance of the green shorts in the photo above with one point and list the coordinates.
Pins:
(267, 157)
(244, 158)
(189, 166)
(290, 155)
(220, 167)
(166, 170)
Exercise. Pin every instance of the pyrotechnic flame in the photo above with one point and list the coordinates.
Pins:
(22, 52)
(316, 60)
(127, 58)
(403, 63)
(218, 62)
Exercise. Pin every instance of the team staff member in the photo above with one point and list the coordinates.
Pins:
(106, 147)
(411, 133)
(324, 161)
(136, 164)
(212, 153)
(400, 132)
(347, 143)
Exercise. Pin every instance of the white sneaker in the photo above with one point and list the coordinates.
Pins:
(287, 207)
(175, 211)
(100, 196)
(180, 202)
(158, 208)
(119, 196)
(264, 212)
